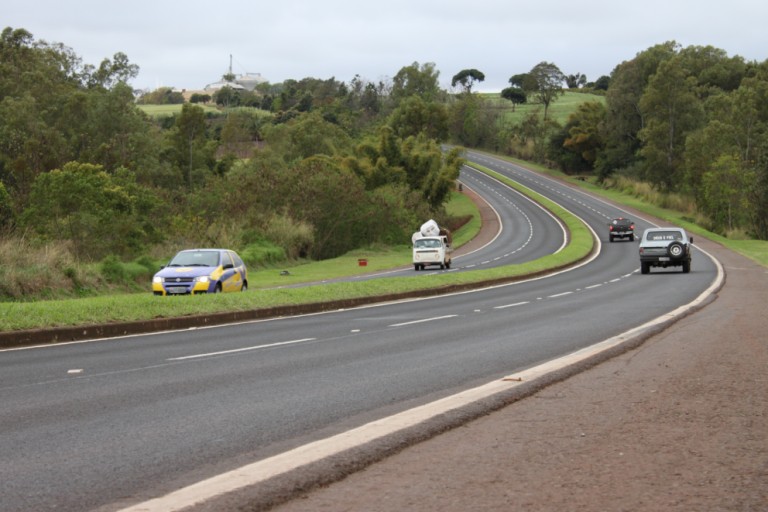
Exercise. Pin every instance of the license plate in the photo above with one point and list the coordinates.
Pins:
(663, 258)
(177, 289)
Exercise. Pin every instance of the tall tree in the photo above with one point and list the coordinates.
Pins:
(416, 80)
(672, 111)
(467, 78)
(549, 83)
(514, 94)
(575, 81)
(190, 142)
(624, 117)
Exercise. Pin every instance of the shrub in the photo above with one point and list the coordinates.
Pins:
(113, 269)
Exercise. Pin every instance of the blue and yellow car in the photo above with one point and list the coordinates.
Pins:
(201, 271)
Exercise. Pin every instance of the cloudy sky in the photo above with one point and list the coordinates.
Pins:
(188, 44)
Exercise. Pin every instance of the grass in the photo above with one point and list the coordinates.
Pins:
(132, 307)
(559, 110)
(156, 111)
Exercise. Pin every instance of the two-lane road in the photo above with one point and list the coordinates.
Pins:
(113, 422)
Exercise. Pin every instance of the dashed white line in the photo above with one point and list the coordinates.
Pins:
(423, 320)
(512, 305)
(244, 349)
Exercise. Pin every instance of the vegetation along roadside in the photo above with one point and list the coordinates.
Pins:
(137, 307)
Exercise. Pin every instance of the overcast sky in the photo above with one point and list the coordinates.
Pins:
(188, 44)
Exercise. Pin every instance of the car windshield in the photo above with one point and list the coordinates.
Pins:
(427, 243)
(664, 236)
(195, 259)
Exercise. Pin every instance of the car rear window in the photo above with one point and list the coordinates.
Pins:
(664, 236)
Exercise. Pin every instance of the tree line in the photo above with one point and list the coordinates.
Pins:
(690, 121)
(316, 167)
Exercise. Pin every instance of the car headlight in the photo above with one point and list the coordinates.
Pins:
(157, 279)
(203, 279)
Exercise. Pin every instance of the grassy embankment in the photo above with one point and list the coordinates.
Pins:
(129, 307)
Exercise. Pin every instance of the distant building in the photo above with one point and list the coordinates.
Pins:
(211, 88)
(250, 80)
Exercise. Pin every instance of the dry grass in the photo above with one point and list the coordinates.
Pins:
(33, 270)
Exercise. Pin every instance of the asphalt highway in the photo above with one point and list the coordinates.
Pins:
(105, 424)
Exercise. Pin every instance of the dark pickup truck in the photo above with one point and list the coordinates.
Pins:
(621, 228)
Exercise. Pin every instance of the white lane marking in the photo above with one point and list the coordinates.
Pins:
(512, 305)
(594, 286)
(423, 320)
(244, 349)
(558, 295)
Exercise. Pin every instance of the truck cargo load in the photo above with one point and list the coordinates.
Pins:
(431, 246)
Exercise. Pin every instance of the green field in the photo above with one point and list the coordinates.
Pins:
(558, 111)
(156, 111)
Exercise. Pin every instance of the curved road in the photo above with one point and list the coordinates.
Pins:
(105, 424)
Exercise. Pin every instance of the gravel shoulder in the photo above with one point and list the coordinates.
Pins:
(678, 424)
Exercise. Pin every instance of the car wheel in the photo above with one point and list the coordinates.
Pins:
(686, 267)
(675, 250)
(610, 238)
(645, 267)
(217, 288)
(244, 288)
(631, 238)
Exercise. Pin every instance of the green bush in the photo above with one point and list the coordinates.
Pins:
(113, 270)
(262, 253)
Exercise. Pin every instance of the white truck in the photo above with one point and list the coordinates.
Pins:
(431, 246)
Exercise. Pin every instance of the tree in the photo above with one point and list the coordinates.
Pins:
(672, 111)
(624, 117)
(99, 213)
(112, 72)
(549, 83)
(726, 189)
(584, 132)
(416, 80)
(524, 81)
(190, 142)
(575, 81)
(415, 116)
(467, 78)
(514, 94)
(602, 83)
(6, 209)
